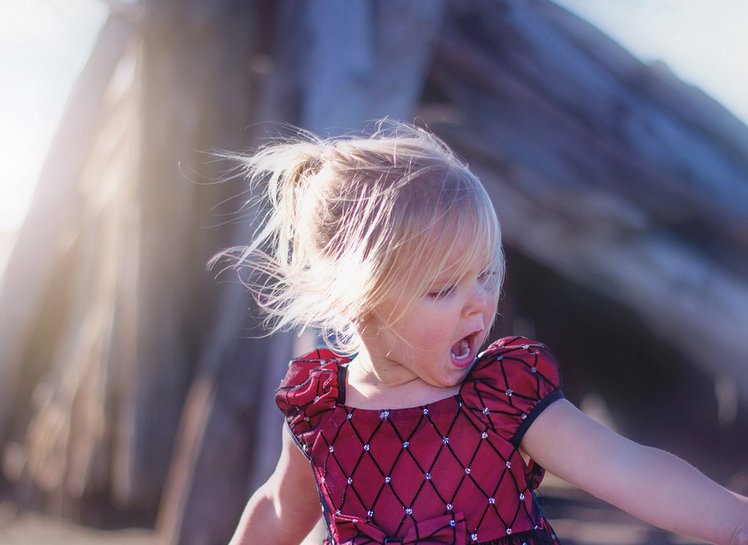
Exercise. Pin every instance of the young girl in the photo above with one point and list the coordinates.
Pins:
(390, 246)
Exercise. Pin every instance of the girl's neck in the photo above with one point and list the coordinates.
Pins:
(384, 385)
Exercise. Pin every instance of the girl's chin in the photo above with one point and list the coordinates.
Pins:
(455, 376)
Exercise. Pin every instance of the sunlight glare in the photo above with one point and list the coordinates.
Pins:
(43, 46)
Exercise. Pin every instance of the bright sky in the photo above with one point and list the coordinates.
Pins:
(704, 42)
(44, 43)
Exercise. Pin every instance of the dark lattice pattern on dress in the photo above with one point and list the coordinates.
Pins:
(447, 472)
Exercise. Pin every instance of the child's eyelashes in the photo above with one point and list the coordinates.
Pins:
(487, 276)
(441, 294)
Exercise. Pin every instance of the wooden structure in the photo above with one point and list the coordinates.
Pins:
(133, 387)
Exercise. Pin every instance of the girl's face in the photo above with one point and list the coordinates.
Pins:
(437, 339)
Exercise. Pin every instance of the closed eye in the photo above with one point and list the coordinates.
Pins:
(487, 276)
(441, 294)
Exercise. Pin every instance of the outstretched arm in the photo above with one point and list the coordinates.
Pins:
(651, 484)
(284, 509)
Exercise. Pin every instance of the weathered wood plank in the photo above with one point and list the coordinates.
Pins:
(51, 221)
(601, 168)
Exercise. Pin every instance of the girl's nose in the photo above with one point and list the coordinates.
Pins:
(477, 301)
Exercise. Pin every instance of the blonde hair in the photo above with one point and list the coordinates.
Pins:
(355, 220)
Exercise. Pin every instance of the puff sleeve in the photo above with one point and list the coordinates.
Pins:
(308, 393)
(512, 382)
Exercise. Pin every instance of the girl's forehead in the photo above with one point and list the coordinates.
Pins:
(443, 244)
(455, 266)
(456, 257)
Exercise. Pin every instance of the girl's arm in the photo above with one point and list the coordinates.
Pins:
(651, 484)
(284, 509)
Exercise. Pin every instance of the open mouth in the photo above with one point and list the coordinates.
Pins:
(463, 351)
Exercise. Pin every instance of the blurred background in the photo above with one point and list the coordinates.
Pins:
(136, 394)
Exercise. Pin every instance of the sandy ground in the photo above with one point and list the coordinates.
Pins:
(578, 519)
(33, 529)
(37, 530)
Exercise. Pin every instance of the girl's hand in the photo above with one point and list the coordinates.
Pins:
(649, 483)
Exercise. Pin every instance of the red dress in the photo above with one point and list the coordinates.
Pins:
(447, 473)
